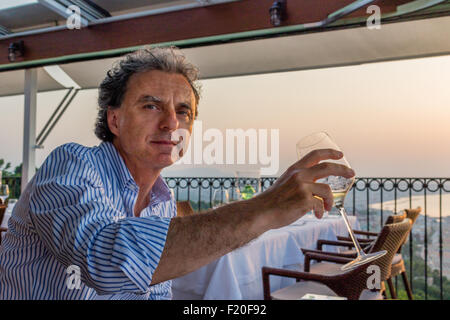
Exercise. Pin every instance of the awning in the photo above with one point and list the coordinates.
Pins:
(394, 41)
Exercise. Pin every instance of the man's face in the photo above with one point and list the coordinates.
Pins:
(155, 104)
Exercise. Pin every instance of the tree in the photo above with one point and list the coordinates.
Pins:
(18, 170)
(4, 168)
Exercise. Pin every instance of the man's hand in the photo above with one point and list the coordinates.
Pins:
(296, 192)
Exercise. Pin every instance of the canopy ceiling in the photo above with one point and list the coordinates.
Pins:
(394, 41)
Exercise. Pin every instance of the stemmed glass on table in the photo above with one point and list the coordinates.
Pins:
(223, 196)
(220, 198)
(339, 186)
(4, 192)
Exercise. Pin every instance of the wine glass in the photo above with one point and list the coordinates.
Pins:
(234, 193)
(4, 192)
(220, 198)
(339, 186)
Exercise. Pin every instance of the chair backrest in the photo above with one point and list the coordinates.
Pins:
(390, 220)
(396, 218)
(2, 213)
(411, 214)
(391, 238)
(184, 208)
(352, 283)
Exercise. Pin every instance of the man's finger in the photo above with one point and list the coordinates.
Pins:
(323, 192)
(318, 208)
(326, 169)
(315, 156)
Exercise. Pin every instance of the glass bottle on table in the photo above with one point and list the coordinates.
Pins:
(339, 187)
(249, 182)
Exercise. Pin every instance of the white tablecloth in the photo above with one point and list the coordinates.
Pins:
(237, 275)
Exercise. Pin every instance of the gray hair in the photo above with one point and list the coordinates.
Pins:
(113, 87)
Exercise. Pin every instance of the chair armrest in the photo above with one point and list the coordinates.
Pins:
(320, 256)
(321, 242)
(360, 240)
(298, 275)
(365, 233)
(334, 254)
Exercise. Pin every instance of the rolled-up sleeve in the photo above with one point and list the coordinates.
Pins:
(79, 226)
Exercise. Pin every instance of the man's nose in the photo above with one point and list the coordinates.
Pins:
(169, 121)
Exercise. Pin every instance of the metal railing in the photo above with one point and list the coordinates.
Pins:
(372, 200)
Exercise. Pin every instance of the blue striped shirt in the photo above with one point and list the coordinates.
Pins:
(77, 212)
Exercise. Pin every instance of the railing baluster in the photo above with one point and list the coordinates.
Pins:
(210, 193)
(395, 212)
(440, 242)
(381, 204)
(367, 206)
(188, 189)
(199, 195)
(426, 243)
(411, 254)
(354, 199)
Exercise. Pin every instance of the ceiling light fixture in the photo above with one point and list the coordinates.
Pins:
(15, 49)
(277, 12)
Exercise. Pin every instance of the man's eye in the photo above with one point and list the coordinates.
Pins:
(150, 106)
(184, 113)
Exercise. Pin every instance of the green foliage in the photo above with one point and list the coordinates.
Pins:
(433, 288)
(4, 168)
(18, 170)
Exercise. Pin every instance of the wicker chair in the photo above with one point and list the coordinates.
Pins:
(365, 243)
(2, 213)
(184, 208)
(398, 264)
(370, 235)
(1, 231)
(327, 278)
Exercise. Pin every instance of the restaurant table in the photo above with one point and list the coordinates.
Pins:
(237, 275)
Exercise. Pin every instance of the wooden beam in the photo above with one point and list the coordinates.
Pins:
(234, 17)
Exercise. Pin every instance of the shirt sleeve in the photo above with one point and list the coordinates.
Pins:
(79, 226)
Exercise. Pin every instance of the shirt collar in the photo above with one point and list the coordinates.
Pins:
(119, 167)
(160, 190)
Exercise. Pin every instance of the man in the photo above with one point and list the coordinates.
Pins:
(106, 214)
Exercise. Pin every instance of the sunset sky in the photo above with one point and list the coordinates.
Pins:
(390, 118)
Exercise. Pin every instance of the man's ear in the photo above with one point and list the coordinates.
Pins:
(112, 116)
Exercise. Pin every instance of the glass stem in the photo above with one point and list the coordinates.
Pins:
(350, 230)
